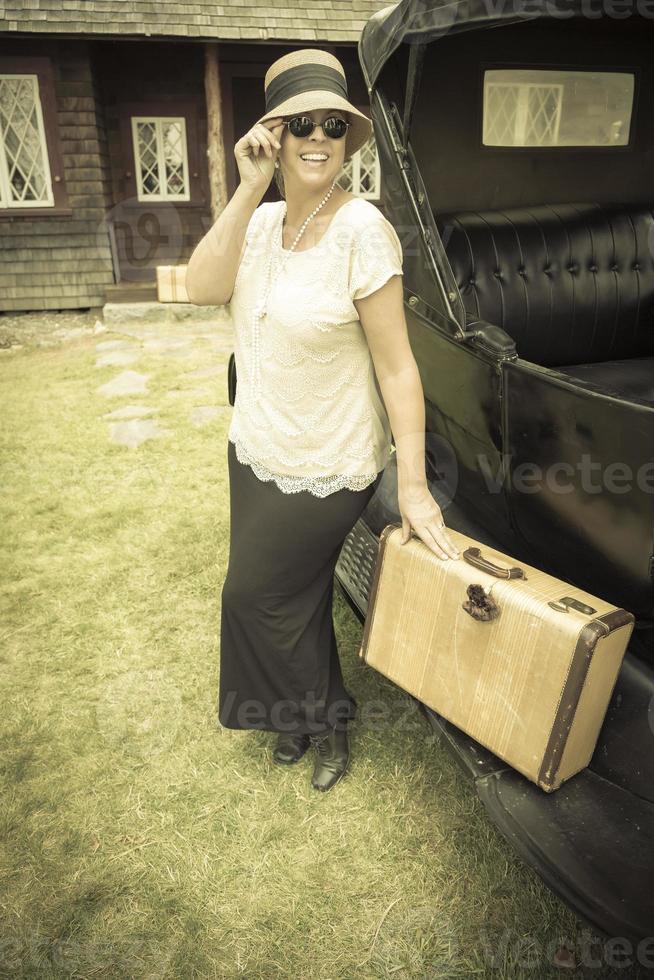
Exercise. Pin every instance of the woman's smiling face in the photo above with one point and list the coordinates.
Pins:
(304, 172)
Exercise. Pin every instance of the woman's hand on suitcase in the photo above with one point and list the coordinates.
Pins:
(421, 513)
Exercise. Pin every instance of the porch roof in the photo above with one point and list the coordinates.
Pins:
(302, 20)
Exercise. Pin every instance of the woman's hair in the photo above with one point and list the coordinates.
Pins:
(279, 180)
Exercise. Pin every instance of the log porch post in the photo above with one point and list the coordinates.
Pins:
(215, 140)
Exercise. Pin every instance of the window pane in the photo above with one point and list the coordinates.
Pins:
(147, 156)
(367, 168)
(346, 180)
(23, 140)
(542, 107)
(174, 157)
(360, 173)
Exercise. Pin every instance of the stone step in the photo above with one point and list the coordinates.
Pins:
(146, 312)
(131, 292)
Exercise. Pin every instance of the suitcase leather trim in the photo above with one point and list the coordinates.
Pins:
(574, 684)
(372, 599)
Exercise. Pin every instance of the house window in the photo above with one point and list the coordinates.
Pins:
(161, 159)
(361, 173)
(24, 168)
(546, 107)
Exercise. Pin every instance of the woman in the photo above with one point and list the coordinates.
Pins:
(314, 283)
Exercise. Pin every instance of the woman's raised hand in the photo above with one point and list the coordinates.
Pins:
(256, 153)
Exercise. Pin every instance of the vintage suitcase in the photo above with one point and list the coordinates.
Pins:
(518, 659)
(171, 284)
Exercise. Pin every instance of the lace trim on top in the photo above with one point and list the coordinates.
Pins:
(319, 486)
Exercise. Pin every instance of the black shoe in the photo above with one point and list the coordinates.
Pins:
(332, 752)
(290, 748)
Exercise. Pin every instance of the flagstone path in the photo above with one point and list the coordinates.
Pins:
(202, 351)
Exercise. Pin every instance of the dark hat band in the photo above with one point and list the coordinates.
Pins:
(304, 78)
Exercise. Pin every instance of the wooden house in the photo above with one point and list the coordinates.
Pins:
(118, 120)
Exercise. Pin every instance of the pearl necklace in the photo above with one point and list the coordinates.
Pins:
(260, 312)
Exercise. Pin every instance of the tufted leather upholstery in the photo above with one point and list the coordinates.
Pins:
(573, 284)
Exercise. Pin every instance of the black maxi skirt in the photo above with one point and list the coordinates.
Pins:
(279, 664)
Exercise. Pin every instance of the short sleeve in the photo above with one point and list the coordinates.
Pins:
(252, 224)
(376, 256)
(256, 231)
(255, 242)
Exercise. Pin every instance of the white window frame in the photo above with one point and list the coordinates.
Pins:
(356, 176)
(355, 161)
(161, 163)
(6, 199)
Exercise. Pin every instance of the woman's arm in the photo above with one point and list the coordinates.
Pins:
(384, 324)
(212, 268)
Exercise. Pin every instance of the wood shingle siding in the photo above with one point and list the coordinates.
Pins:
(309, 20)
(63, 261)
(107, 70)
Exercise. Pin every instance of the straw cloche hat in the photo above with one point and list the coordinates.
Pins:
(313, 79)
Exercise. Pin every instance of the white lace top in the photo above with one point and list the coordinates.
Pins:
(308, 412)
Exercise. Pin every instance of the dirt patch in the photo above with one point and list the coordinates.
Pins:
(46, 328)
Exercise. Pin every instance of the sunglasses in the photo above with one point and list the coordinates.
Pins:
(332, 127)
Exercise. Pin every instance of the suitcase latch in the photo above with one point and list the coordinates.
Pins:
(566, 603)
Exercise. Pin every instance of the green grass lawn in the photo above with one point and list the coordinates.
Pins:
(140, 839)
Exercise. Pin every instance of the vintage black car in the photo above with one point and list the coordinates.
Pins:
(518, 170)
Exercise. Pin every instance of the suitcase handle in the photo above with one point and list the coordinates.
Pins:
(473, 556)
